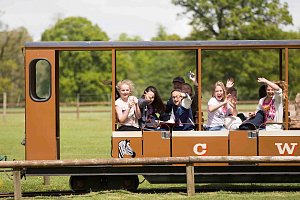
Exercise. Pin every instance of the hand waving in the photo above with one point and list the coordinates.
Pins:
(261, 80)
(229, 83)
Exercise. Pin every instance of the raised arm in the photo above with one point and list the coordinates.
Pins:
(270, 83)
(213, 108)
(136, 107)
(232, 107)
(186, 101)
(193, 78)
(122, 116)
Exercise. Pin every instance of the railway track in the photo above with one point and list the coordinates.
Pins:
(48, 194)
(199, 189)
(229, 188)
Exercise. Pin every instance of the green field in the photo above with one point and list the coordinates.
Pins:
(89, 137)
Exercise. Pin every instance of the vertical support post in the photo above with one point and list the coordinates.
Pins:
(18, 101)
(4, 105)
(280, 64)
(113, 86)
(190, 179)
(17, 184)
(109, 99)
(286, 111)
(77, 105)
(57, 106)
(199, 77)
(46, 180)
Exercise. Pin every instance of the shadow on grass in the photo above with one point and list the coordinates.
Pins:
(227, 187)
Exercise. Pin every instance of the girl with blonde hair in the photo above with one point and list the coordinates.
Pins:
(219, 106)
(127, 109)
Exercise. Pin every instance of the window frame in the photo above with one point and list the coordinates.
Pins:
(32, 80)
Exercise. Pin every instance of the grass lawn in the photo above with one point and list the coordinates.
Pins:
(89, 137)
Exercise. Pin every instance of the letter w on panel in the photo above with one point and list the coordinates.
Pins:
(286, 147)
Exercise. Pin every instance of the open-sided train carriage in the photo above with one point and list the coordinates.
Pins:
(43, 127)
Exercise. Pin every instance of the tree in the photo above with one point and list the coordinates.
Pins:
(162, 35)
(81, 72)
(151, 67)
(231, 19)
(237, 20)
(12, 62)
(74, 29)
(125, 37)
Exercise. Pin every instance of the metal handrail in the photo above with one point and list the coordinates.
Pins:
(189, 161)
(149, 161)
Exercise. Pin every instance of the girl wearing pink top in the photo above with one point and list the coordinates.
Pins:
(271, 105)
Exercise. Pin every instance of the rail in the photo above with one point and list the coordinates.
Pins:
(189, 161)
(80, 107)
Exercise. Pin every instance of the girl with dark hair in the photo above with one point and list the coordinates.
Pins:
(151, 106)
(269, 111)
(271, 105)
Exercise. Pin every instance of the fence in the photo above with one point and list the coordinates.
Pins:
(81, 106)
(188, 161)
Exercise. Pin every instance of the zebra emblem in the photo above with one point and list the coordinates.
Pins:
(125, 149)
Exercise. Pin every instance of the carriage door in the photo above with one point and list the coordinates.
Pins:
(41, 111)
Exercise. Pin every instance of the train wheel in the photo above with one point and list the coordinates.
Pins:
(130, 182)
(98, 183)
(79, 184)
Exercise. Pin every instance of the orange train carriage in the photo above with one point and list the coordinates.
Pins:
(43, 138)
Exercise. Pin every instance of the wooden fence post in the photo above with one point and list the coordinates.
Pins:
(4, 104)
(77, 105)
(190, 179)
(46, 180)
(17, 184)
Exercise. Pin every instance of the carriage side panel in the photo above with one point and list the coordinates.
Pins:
(279, 143)
(200, 143)
(41, 114)
(127, 144)
(242, 143)
(156, 144)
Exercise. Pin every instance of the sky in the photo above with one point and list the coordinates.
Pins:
(134, 17)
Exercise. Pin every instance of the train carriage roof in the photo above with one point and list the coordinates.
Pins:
(167, 45)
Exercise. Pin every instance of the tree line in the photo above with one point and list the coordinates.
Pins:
(86, 72)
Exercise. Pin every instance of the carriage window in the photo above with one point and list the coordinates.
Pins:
(40, 79)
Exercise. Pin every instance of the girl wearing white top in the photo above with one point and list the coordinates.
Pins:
(219, 106)
(271, 105)
(127, 109)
